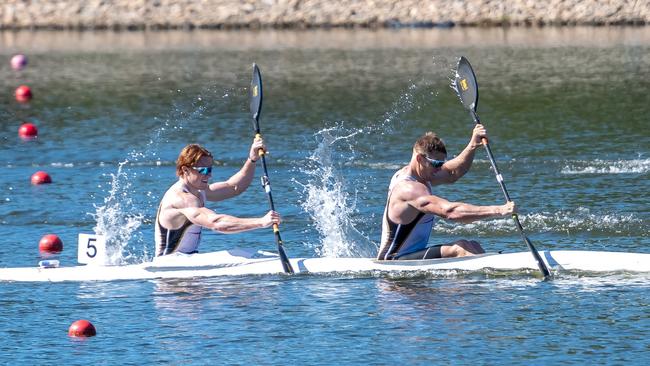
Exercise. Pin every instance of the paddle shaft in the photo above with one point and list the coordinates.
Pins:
(266, 183)
(256, 108)
(515, 217)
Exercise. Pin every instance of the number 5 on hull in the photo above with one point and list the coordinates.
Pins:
(91, 249)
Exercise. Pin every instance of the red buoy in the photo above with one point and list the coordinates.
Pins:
(50, 243)
(27, 131)
(23, 94)
(41, 177)
(18, 62)
(82, 328)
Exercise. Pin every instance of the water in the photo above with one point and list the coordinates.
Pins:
(566, 110)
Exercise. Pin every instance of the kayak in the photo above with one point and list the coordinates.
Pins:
(247, 262)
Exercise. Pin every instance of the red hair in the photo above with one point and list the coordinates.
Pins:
(190, 156)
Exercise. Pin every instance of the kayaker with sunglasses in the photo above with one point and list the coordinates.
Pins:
(412, 208)
(182, 212)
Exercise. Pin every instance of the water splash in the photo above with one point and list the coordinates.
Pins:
(329, 204)
(574, 221)
(119, 218)
(636, 166)
(583, 220)
(326, 195)
(116, 219)
(375, 165)
(405, 103)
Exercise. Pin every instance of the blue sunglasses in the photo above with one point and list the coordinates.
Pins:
(434, 163)
(203, 170)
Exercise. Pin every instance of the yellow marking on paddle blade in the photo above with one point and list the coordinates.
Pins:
(463, 84)
(255, 91)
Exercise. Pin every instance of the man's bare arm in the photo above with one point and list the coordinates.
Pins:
(460, 165)
(234, 186)
(238, 183)
(460, 211)
(225, 223)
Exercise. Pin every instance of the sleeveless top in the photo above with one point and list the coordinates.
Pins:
(401, 239)
(185, 239)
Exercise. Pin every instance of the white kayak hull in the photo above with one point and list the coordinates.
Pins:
(241, 262)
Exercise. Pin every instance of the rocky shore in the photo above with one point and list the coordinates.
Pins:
(227, 14)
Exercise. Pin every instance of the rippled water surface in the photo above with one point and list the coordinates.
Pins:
(567, 113)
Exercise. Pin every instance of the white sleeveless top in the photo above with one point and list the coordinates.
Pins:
(185, 239)
(401, 239)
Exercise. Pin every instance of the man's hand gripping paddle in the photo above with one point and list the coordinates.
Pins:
(467, 89)
(255, 94)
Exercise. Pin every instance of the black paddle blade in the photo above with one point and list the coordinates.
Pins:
(465, 84)
(255, 95)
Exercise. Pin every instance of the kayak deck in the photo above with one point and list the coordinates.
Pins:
(242, 262)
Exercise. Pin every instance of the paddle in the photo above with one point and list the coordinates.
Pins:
(255, 94)
(467, 90)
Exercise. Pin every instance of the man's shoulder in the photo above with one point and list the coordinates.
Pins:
(410, 189)
(178, 198)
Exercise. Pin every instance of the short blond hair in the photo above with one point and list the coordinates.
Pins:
(189, 156)
(429, 143)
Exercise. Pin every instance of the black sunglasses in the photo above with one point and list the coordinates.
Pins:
(434, 163)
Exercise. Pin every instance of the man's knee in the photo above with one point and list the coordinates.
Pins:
(476, 247)
(467, 247)
(456, 249)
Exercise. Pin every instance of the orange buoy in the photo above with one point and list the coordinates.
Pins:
(82, 328)
(18, 62)
(27, 131)
(50, 243)
(41, 177)
(23, 94)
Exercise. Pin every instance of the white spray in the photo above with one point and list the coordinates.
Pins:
(327, 197)
(119, 218)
